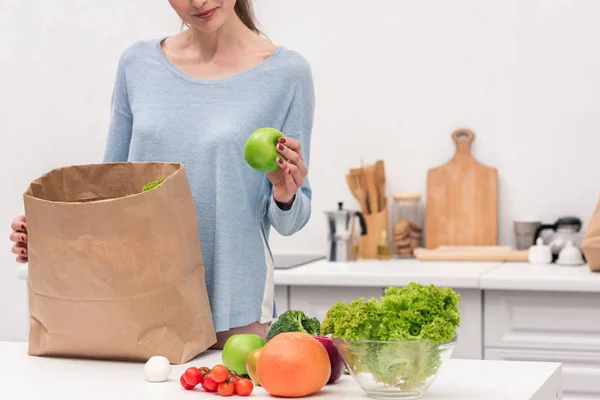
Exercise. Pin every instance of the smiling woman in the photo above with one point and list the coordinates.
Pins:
(195, 98)
(242, 8)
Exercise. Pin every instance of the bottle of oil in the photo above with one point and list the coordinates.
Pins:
(384, 250)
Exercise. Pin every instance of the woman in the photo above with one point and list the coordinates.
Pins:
(194, 98)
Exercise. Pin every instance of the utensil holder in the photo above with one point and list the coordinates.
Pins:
(376, 223)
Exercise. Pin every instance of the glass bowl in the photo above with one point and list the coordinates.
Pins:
(394, 369)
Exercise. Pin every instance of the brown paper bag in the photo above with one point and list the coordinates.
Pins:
(590, 243)
(114, 276)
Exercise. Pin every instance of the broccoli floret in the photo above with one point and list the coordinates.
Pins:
(152, 185)
(294, 321)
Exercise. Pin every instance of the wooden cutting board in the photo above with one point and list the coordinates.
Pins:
(462, 200)
(471, 253)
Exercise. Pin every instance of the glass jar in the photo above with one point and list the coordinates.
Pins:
(407, 224)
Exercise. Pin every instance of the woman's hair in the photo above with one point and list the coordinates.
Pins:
(245, 12)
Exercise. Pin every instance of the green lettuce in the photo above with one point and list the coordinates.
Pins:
(396, 338)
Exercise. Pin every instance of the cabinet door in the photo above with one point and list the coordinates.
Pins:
(542, 320)
(282, 299)
(470, 331)
(316, 300)
(580, 370)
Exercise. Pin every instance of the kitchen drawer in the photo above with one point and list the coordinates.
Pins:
(580, 370)
(542, 320)
(282, 299)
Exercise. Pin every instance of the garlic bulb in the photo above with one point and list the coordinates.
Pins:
(157, 369)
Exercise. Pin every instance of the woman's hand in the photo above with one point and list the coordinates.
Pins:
(290, 175)
(19, 237)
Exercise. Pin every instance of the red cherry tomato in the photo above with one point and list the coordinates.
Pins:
(220, 373)
(209, 384)
(184, 384)
(203, 372)
(192, 376)
(234, 379)
(244, 387)
(226, 389)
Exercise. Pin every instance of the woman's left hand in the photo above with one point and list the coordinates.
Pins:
(290, 175)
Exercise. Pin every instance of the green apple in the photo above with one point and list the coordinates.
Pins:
(251, 362)
(260, 150)
(236, 350)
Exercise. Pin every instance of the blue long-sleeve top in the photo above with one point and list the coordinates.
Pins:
(159, 113)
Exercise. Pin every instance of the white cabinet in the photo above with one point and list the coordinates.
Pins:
(542, 320)
(580, 370)
(469, 344)
(282, 302)
(547, 326)
(316, 300)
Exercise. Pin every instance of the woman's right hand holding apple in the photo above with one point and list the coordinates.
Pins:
(19, 237)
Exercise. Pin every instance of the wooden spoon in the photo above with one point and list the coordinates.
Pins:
(371, 186)
(356, 187)
(380, 182)
(351, 182)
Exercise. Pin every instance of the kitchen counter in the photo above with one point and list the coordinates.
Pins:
(457, 275)
(25, 377)
(375, 273)
(553, 277)
(509, 311)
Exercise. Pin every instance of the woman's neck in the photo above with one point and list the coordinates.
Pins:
(231, 38)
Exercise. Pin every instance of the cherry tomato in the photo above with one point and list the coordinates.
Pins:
(234, 379)
(220, 373)
(204, 371)
(226, 389)
(184, 384)
(244, 387)
(192, 376)
(209, 384)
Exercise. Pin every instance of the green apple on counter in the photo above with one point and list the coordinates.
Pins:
(260, 150)
(236, 350)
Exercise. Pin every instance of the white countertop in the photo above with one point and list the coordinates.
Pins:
(385, 273)
(25, 377)
(458, 275)
(552, 277)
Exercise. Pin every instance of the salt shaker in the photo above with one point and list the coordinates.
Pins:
(540, 253)
(570, 255)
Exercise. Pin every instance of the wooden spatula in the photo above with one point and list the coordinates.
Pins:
(359, 176)
(371, 186)
(380, 182)
(354, 183)
(351, 182)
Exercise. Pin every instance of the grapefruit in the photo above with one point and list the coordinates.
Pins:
(293, 364)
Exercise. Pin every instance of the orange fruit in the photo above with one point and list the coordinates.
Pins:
(293, 364)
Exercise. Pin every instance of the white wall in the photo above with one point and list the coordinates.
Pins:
(393, 79)
(57, 69)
